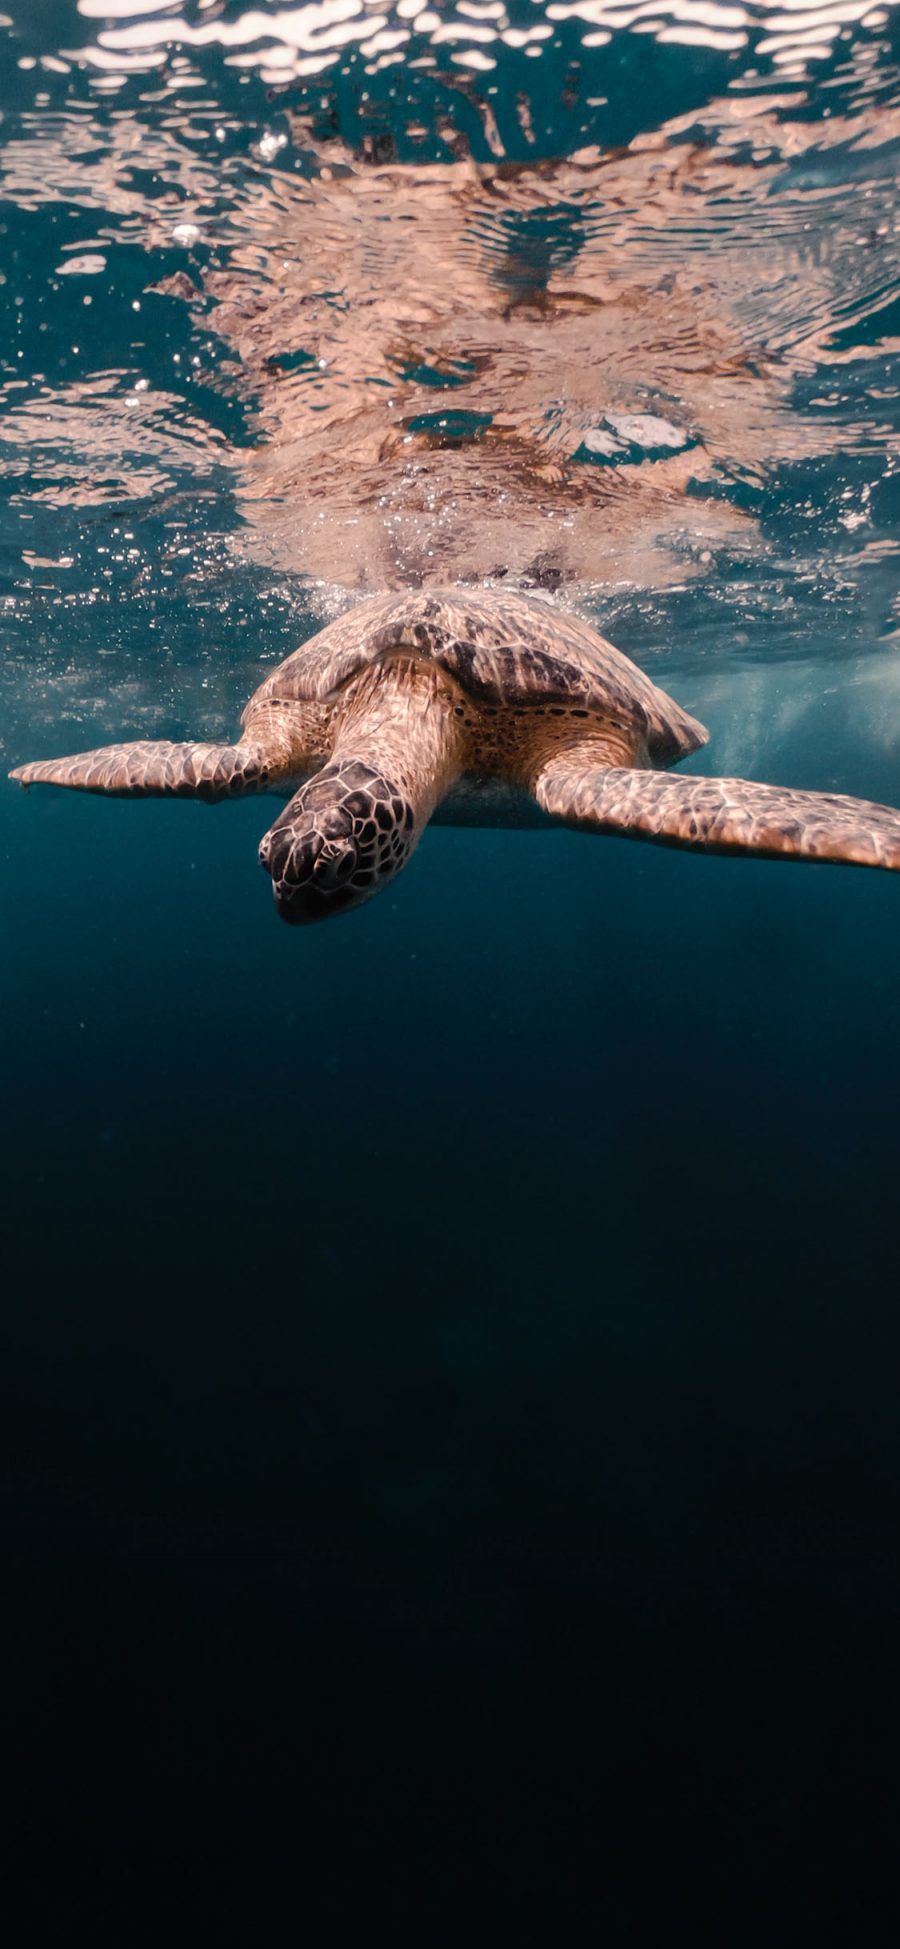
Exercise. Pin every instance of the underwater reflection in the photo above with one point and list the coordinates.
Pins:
(584, 370)
(563, 372)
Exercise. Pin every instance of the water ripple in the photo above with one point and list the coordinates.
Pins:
(524, 320)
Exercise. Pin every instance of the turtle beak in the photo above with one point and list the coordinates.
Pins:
(335, 864)
(310, 872)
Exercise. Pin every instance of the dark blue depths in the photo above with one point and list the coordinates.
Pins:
(450, 1371)
(453, 1373)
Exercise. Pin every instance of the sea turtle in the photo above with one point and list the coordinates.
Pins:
(488, 709)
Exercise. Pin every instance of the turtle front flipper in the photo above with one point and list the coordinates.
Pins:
(718, 815)
(156, 770)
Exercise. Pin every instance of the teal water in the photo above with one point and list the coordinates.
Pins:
(450, 1356)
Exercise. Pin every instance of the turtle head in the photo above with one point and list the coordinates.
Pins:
(341, 838)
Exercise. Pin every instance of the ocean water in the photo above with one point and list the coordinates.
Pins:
(451, 1354)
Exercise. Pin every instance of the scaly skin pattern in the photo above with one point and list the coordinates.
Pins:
(341, 838)
(278, 745)
(718, 815)
(482, 706)
(399, 746)
(147, 770)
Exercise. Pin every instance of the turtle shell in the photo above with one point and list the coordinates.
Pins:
(501, 648)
